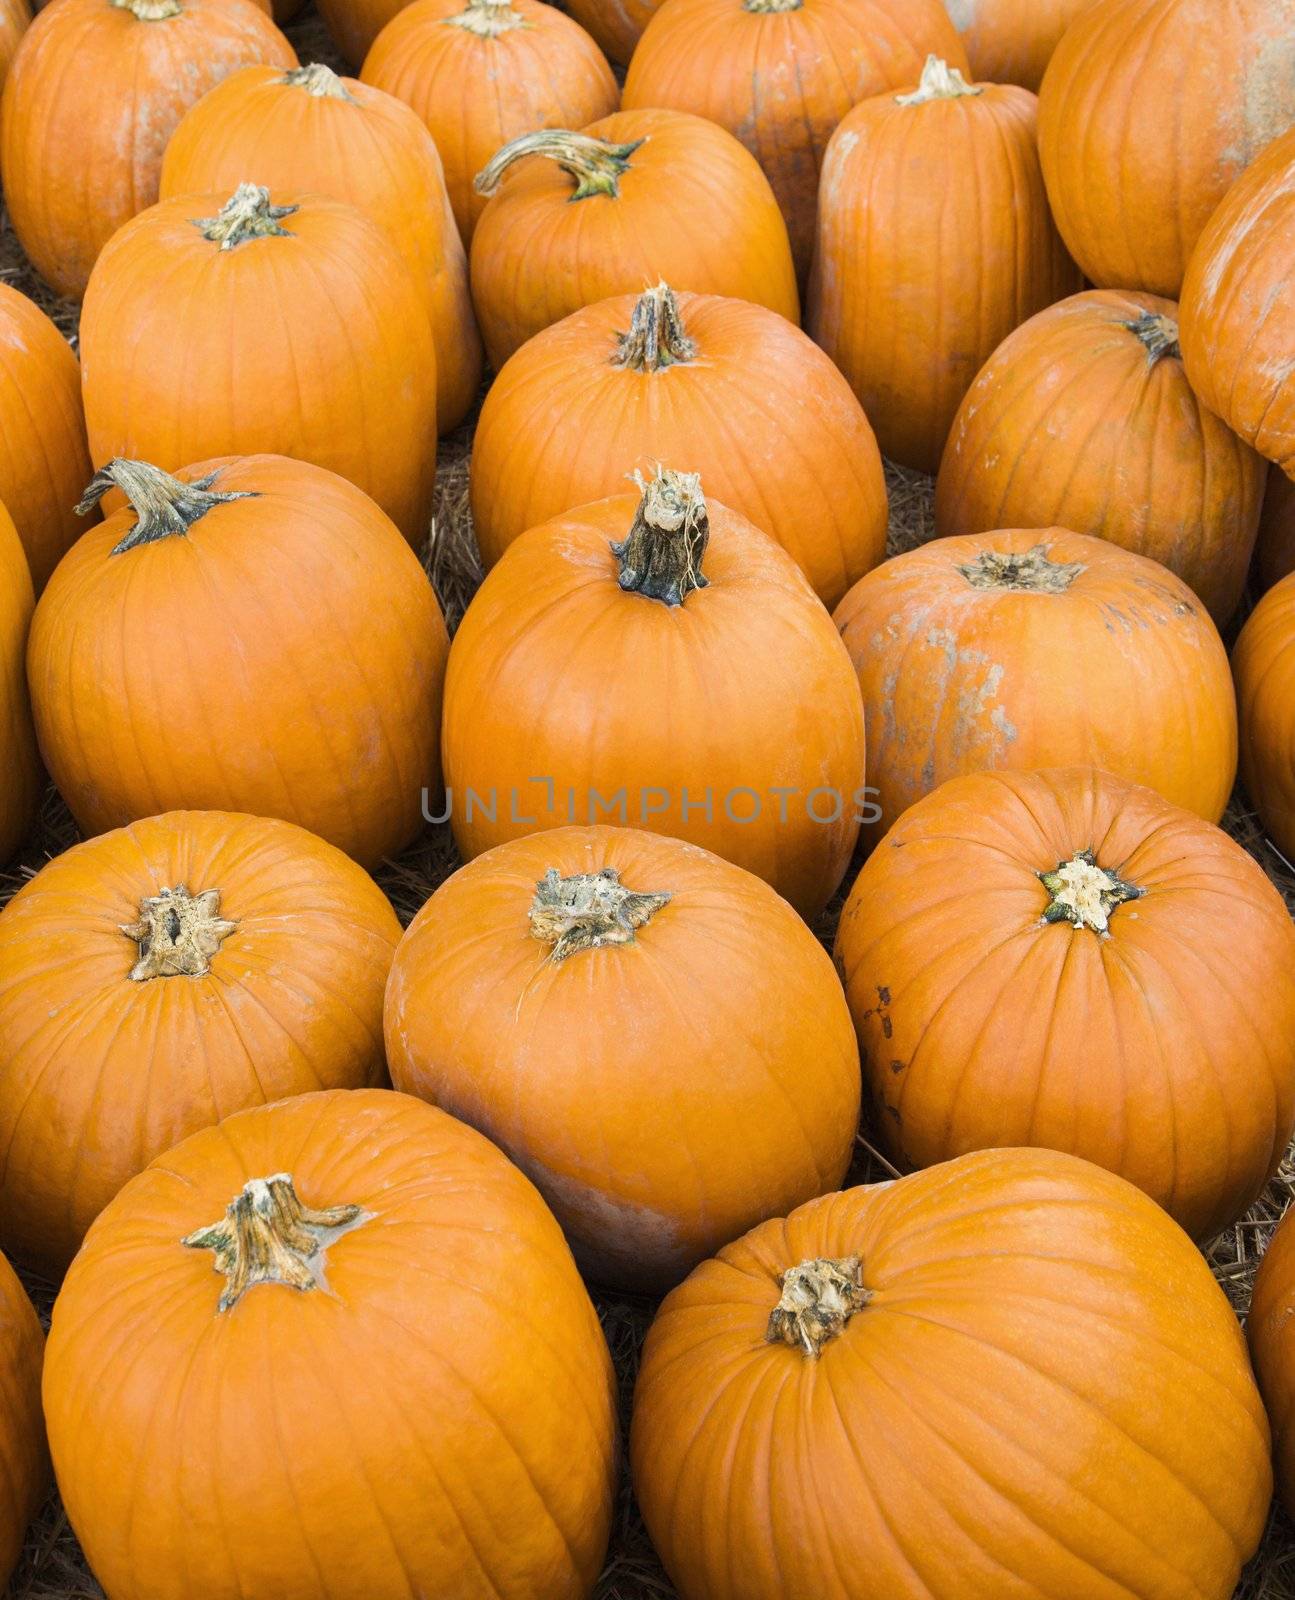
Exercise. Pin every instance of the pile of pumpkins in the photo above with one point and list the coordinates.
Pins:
(324, 1195)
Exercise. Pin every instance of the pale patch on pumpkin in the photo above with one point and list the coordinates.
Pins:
(962, 13)
(606, 1232)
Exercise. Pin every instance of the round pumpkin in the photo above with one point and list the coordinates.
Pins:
(1275, 550)
(482, 72)
(699, 378)
(1083, 418)
(373, 1335)
(934, 242)
(1012, 41)
(252, 636)
(1037, 647)
(1263, 663)
(1270, 1329)
(1012, 1374)
(94, 93)
(24, 1460)
(307, 131)
(15, 19)
(289, 326)
(639, 197)
(675, 1126)
(780, 75)
(18, 758)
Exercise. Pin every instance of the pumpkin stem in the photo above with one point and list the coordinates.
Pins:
(177, 934)
(163, 505)
(939, 81)
(487, 18)
(320, 81)
(149, 10)
(588, 910)
(1030, 571)
(268, 1236)
(1159, 335)
(764, 8)
(596, 164)
(656, 337)
(1084, 894)
(247, 214)
(661, 555)
(818, 1298)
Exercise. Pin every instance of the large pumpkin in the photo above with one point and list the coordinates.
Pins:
(240, 958)
(1011, 41)
(1083, 418)
(1275, 548)
(1263, 662)
(15, 19)
(481, 73)
(307, 131)
(254, 636)
(934, 242)
(95, 91)
(1037, 648)
(674, 1126)
(1270, 1328)
(1011, 1375)
(290, 326)
(638, 197)
(18, 759)
(662, 664)
(24, 1460)
(355, 1316)
(698, 378)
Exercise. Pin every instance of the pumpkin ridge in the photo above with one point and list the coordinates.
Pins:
(588, 910)
(661, 556)
(597, 165)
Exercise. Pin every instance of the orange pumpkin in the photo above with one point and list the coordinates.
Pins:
(307, 131)
(1012, 41)
(1036, 647)
(697, 378)
(636, 198)
(616, 25)
(1011, 1375)
(1270, 1328)
(18, 759)
(94, 93)
(24, 1460)
(15, 19)
(1275, 550)
(254, 636)
(934, 242)
(1083, 418)
(482, 72)
(373, 1323)
(1263, 662)
(291, 327)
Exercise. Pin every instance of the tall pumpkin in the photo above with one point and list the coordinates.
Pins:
(374, 1338)
(1275, 548)
(1012, 41)
(252, 636)
(934, 242)
(698, 378)
(15, 19)
(18, 757)
(1270, 1328)
(1263, 662)
(218, 325)
(95, 91)
(24, 1459)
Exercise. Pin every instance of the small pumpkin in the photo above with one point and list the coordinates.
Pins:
(700, 378)
(1012, 41)
(1275, 550)
(934, 243)
(24, 1460)
(633, 199)
(1263, 663)
(1083, 418)
(251, 636)
(18, 758)
(15, 19)
(374, 1325)
(1010, 1374)
(1269, 1330)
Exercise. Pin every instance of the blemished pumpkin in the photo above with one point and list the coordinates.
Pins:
(253, 636)
(1083, 418)
(705, 379)
(658, 662)
(1148, 112)
(1270, 1328)
(242, 957)
(95, 90)
(291, 326)
(24, 1460)
(637, 198)
(934, 243)
(1038, 647)
(674, 1126)
(15, 19)
(483, 72)
(1012, 1374)
(1011, 41)
(1275, 549)
(374, 1323)
(1263, 663)
(19, 761)
(307, 131)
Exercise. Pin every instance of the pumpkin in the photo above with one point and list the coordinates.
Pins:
(94, 93)
(307, 131)
(934, 242)
(482, 72)
(252, 636)
(1263, 662)
(1269, 1329)
(1275, 551)
(780, 75)
(22, 774)
(24, 1460)
(15, 19)
(616, 25)
(1083, 418)
(1012, 41)
(698, 378)
(1031, 647)
(373, 1323)
(636, 198)
(289, 326)
(667, 667)
(1010, 1375)
(675, 1126)
(1149, 110)
(243, 957)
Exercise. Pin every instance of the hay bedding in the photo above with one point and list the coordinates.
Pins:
(52, 1567)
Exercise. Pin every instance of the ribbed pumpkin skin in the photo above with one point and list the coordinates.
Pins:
(1269, 1328)
(364, 1441)
(1123, 670)
(18, 758)
(1011, 41)
(24, 1459)
(159, 683)
(1275, 550)
(562, 424)
(1072, 423)
(363, 147)
(1149, 111)
(1263, 663)
(1047, 1396)
(15, 19)
(934, 243)
(616, 25)
(91, 99)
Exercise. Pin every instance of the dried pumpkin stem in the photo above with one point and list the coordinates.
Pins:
(1084, 894)
(939, 81)
(597, 165)
(818, 1298)
(487, 18)
(769, 7)
(1029, 572)
(656, 337)
(321, 82)
(1159, 336)
(661, 555)
(149, 10)
(587, 910)
(165, 507)
(177, 934)
(247, 214)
